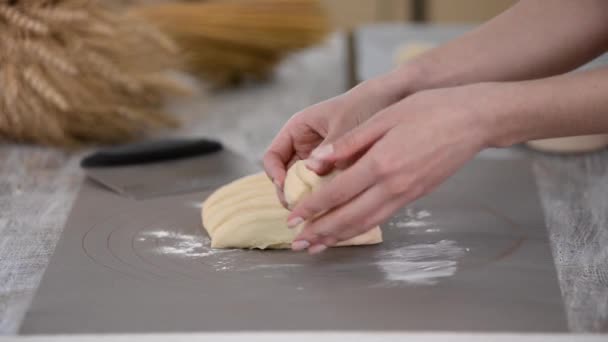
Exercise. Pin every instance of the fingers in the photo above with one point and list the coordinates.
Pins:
(347, 216)
(308, 237)
(378, 217)
(318, 160)
(321, 166)
(281, 196)
(368, 210)
(275, 168)
(355, 218)
(277, 156)
(352, 144)
(337, 191)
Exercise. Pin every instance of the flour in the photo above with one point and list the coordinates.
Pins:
(195, 205)
(432, 230)
(411, 224)
(158, 234)
(421, 264)
(423, 214)
(411, 219)
(418, 264)
(180, 244)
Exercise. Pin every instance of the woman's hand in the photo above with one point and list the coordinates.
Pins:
(324, 123)
(407, 150)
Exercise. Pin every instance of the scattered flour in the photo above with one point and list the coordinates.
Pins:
(411, 224)
(175, 243)
(421, 264)
(159, 234)
(411, 219)
(423, 214)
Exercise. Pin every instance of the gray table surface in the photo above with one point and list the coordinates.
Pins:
(38, 186)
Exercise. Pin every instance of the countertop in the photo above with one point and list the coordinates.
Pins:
(38, 186)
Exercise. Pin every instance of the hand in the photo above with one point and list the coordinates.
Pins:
(324, 123)
(408, 149)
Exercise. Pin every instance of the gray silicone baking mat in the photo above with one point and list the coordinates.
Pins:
(472, 256)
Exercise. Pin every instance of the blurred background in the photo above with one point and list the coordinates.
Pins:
(352, 13)
(77, 73)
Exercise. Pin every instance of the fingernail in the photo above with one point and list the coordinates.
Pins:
(313, 164)
(281, 196)
(322, 152)
(316, 249)
(300, 245)
(294, 222)
(278, 190)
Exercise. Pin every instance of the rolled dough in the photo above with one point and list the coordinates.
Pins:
(576, 144)
(247, 213)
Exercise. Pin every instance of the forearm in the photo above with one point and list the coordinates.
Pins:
(566, 105)
(533, 39)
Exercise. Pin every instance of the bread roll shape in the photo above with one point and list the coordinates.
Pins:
(246, 213)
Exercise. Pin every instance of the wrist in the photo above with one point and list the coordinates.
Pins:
(493, 110)
(394, 85)
(475, 110)
(406, 80)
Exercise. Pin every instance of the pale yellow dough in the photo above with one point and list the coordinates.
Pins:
(576, 144)
(247, 213)
(410, 50)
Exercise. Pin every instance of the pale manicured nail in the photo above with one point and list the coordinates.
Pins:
(313, 164)
(281, 196)
(300, 245)
(294, 222)
(322, 152)
(316, 249)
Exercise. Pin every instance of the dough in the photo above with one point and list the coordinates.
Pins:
(576, 144)
(247, 213)
(410, 50)
(300, 181)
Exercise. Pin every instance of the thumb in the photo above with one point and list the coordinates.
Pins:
(347, 147)
(322, 166)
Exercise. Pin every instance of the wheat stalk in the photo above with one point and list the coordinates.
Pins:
(20, 20)
(226, 40)
(80, 71)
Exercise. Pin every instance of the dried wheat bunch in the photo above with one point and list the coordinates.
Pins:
(225, 40)
(79, 71)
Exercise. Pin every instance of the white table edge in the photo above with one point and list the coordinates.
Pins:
(318, 337)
